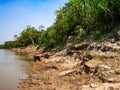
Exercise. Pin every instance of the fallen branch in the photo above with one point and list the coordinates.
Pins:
(66, 72)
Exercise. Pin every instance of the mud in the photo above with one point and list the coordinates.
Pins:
(66, 69)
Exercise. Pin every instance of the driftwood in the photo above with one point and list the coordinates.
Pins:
(66, 72)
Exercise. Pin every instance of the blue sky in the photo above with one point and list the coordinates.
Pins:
(16, 15)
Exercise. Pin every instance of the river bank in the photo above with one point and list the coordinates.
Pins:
(87, 66)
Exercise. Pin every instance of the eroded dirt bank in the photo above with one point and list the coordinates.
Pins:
(87, 66)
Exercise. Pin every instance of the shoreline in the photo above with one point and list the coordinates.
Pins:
(75, 68)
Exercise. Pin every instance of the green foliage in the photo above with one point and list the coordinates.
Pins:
(51, 38)
(94, 17)
(10, 44)
(1, 46)
(81, 19)
(28, 36)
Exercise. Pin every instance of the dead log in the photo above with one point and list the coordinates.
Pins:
(64, 73)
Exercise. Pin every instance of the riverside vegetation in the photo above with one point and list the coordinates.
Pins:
(83, 46)
(80, 19)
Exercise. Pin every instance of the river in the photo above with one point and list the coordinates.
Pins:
(12, 69)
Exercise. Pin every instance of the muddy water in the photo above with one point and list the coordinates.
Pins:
(12, 68)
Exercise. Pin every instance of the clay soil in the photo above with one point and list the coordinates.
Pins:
(66, 70)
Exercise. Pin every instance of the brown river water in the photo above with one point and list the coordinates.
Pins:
(12, 69)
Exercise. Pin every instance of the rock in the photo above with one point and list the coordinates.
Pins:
(117, 71)
(46, 50)
(68, 52)
(102, 46)
(98, 46)
(76, 56)
(93, 63)
(89, 47)
(103, 72)
(102, 86)
(104, 67)
(51, 67)
(85, 58)
(112, 40)
(118, 43)
(81, 46)
(85, 87)
(93, 85)
(106, 74)
(91, 66)
(68, 64)
(46, 56)
(71, 47)
(88, 56)
(114, 79)
(118, 33)
(106, 48)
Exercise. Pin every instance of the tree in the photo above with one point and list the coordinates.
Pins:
(29, 36)
(41, 28)
(15, 37)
